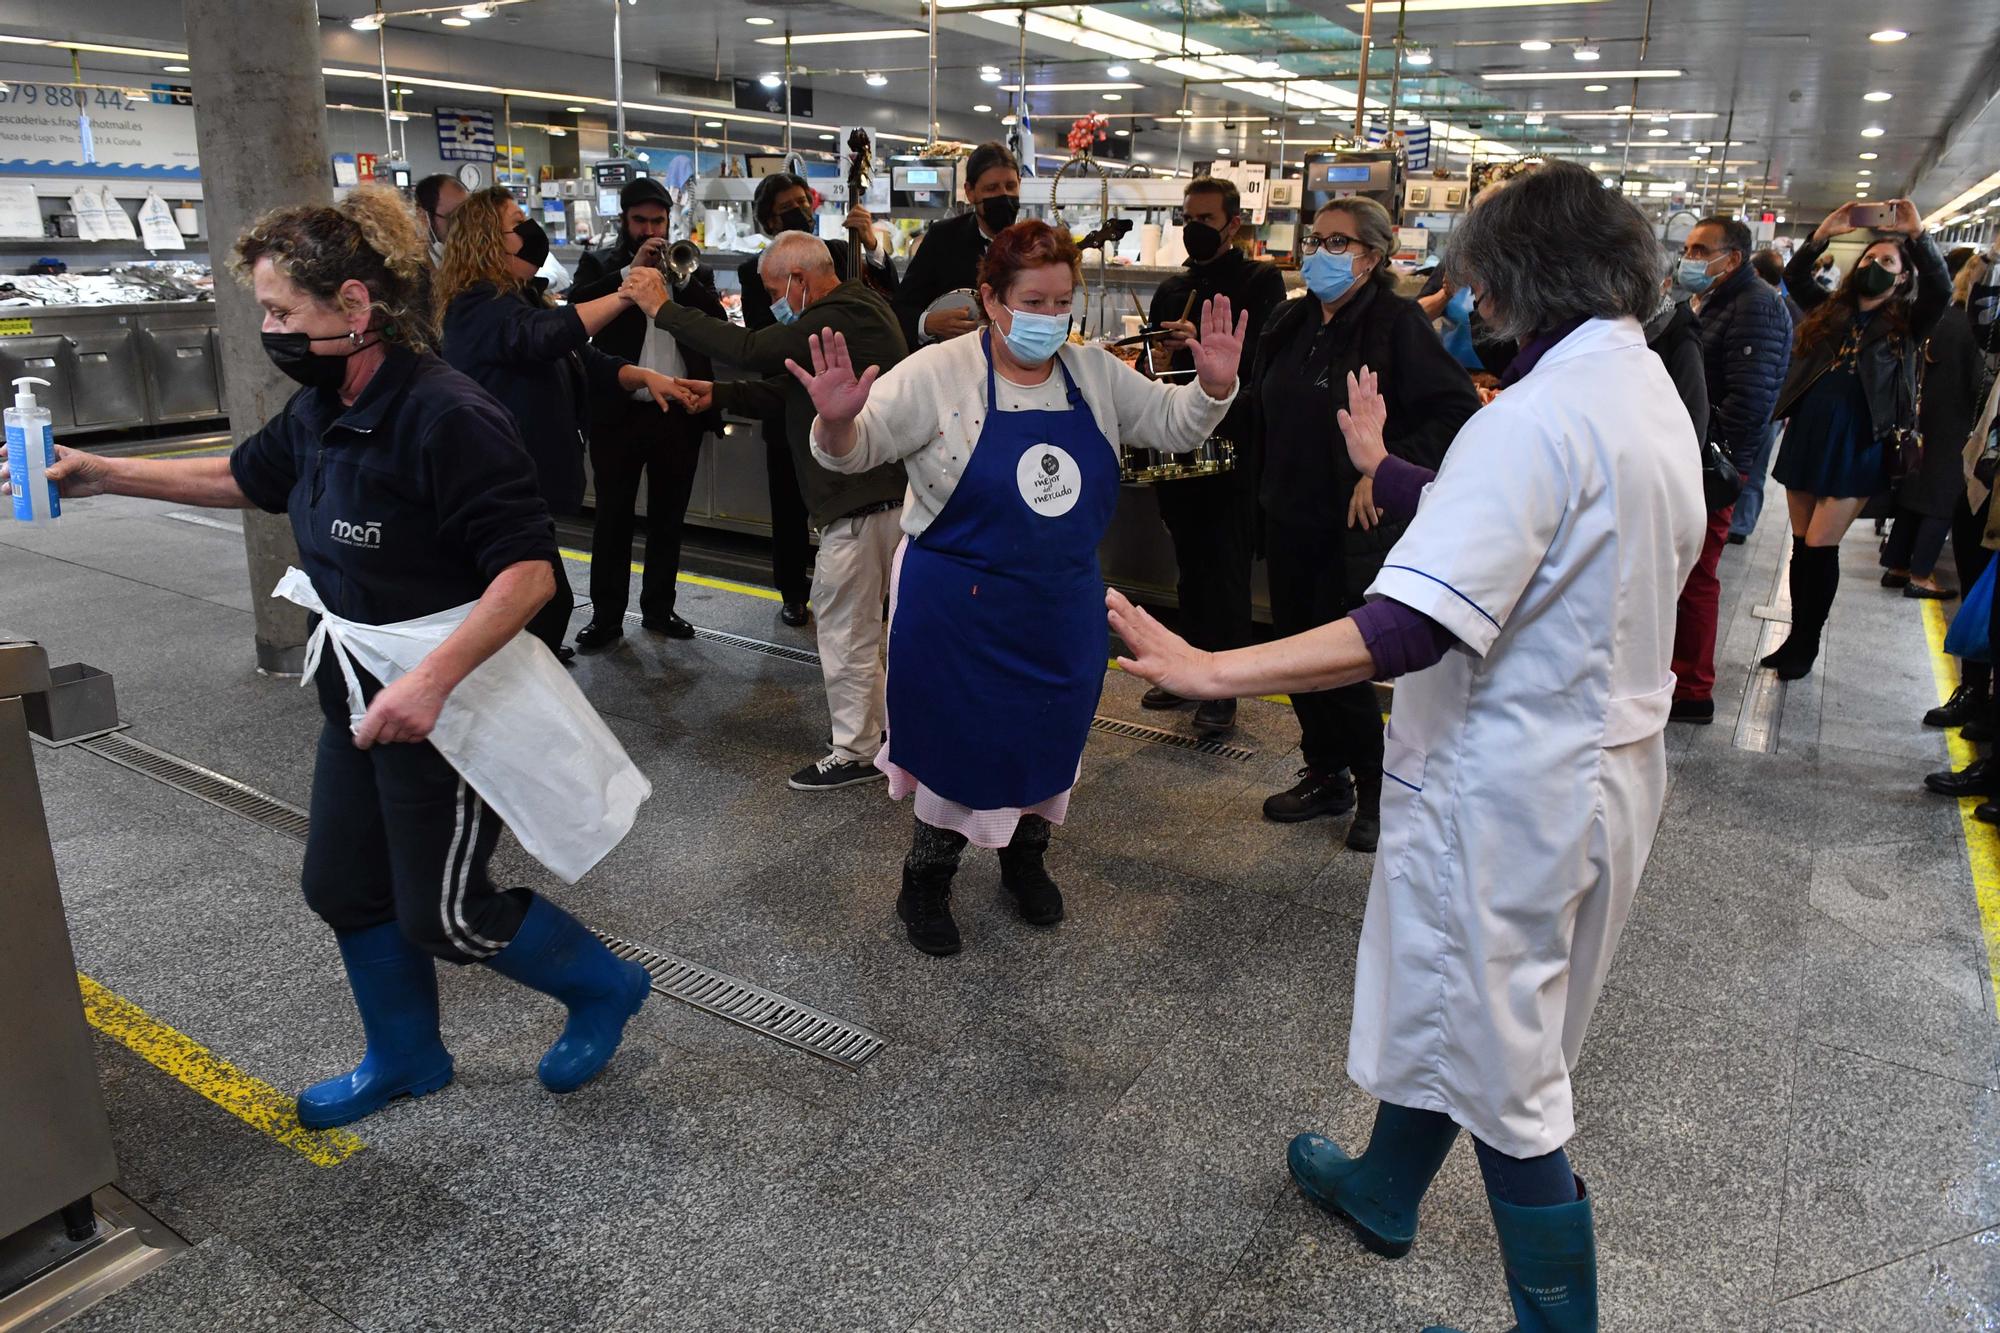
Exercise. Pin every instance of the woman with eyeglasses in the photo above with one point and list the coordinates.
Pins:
(1850, 397)
(1324, 538)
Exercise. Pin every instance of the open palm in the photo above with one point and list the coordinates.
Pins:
(1219, 347)
(837, 394)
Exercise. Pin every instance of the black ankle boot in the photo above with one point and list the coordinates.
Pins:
(924, 908)
(1035, 895)
(1965, 705)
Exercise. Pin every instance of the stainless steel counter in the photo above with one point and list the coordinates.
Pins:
(112, 367)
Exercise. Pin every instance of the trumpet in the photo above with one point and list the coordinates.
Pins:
(683, 257)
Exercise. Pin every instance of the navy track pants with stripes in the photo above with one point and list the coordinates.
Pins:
(398, 836)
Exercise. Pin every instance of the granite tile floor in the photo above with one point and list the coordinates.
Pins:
(1789, 1105)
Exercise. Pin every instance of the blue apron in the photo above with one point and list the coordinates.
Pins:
(996, 652)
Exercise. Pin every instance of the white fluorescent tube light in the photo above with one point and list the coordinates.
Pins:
(1444, 6)
(829, 38)
(1066, 87)
(1551, 75)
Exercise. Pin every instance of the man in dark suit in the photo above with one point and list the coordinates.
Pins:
(949, 257)
(783, 203)
(630, 436)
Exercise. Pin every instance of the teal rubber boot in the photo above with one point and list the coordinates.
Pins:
(395, 988)
(1377, 1193)
(557, 955)
(1551, 1258)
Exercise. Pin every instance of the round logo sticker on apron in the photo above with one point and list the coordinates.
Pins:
(1049, 479)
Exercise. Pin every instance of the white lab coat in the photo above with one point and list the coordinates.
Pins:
(1524, 773)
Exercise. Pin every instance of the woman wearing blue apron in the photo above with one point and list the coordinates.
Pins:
(996, 632)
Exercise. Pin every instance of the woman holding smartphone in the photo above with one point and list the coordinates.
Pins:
(1850, 396)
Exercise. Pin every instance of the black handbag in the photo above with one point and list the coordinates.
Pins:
(1905, 446)
(1721, 483)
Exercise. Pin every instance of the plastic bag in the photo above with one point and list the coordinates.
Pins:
(517, 730)
(1968, 639)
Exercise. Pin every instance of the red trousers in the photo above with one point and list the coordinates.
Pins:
(1695, 615)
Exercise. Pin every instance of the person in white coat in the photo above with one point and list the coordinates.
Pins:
(1531, 604)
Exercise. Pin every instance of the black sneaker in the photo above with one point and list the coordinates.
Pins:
(793, 614)
(598, 635)
(1215, 717)
(924, 908)
(831, 772)
(1694, 712)
(1315, 794)
(1158, 699)
(1027, 880)
(1965, 705)
(670, 625)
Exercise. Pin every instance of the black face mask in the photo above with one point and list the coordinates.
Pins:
(795, 219)
(534, 242)
(1872, 280)
(1203, 242)
(998, 211)
(293, 354)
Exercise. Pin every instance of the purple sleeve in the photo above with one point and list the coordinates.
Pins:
(1399, 484)
(1401, 640)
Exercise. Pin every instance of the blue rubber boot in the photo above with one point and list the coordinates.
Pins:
(395, 988)
(555, 954)
(1551, 1258)
(1376, 1194)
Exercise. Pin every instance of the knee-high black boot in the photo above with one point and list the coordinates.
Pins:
(924, 906)
(1815, 575)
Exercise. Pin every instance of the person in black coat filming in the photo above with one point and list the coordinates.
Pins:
(629, 435)
(501, 330)
(784, 203)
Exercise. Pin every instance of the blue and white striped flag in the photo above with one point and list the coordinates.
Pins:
(465, 136)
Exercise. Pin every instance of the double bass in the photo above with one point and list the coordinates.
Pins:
(860, 166)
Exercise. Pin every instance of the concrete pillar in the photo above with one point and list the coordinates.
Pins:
(260, 127)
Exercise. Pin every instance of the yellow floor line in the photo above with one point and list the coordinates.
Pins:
(698, 580)
(251, 1100)
(1982, 841)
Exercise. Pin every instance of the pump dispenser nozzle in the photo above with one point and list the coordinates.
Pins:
(25, 398)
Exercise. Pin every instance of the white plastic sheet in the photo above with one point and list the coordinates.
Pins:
(517, 730)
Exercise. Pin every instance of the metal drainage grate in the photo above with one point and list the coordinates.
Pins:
(205, 784)
(1112, 726)
(764, 1012)
(783, 650)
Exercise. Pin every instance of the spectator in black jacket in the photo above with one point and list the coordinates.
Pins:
(1323, 537)
(1948, 392)
(1746, 337)
(629, 435)
(948, 259)
(500, 329)
(784, 202)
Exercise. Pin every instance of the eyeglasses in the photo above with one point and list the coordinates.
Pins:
(1313, 243)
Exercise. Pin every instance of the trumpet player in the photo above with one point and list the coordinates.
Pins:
(629, 435)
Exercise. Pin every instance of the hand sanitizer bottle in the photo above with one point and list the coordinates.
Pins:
(31, 450)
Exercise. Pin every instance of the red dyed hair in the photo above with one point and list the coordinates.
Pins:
(1026, 245)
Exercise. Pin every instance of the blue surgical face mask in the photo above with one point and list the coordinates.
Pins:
(1328, 276)
(1034, 338)
(781, 309)
(1694, 275)
(1458, 310)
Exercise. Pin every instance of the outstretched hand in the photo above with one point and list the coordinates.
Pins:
(1158, 654)
(1363, 420)
(1218, 350)
(837, 394)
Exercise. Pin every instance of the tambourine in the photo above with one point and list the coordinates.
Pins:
(958, 299)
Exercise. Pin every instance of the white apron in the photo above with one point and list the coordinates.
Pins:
(517, 730)
(1524, 773)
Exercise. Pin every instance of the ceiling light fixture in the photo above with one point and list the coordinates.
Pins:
(173, 69)
(1551, 75)
(555, 133)
(1597, 148)
(1114, 97)
(1876, 96)
(831, 38)
(1121, 134)
(1597, 87)
(1888, 35)
(576, 110)
(477, 11)
(1587, 53)
(455, 21)
(989, 75)
(1442, 6)
(1656, 134)
(1534, 44)
(1869, 157)
(772, 80)
(1118, 71)
(1268, 133)
(1419, 55)
(366, 23)
(1067, 87)
(827, 138)
(1308, 120)
(1010, 120)
(877, 80)
(1873, 132)
(711, 124)
(981, 107)
(759, 21)
(1865, 171)
(1222, 152)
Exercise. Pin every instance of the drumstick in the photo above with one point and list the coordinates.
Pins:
(1187, 309)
